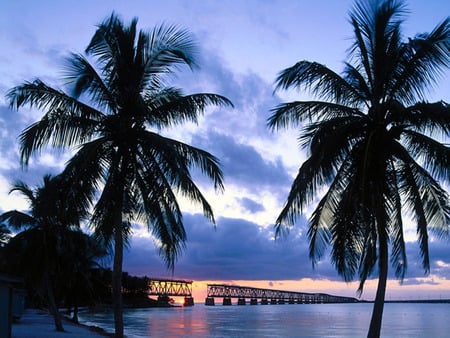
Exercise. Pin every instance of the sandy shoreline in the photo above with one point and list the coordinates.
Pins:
(39, 324)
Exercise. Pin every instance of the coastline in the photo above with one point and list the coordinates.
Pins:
(36, 323)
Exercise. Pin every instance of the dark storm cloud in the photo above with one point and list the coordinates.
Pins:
(235, 249)
(243, 164)
(439, 259)
(238, 249)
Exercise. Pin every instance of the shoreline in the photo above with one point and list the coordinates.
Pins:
(37, 323)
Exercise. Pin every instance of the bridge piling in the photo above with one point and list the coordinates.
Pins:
(189, 301)
(209, 301)
(268, 296)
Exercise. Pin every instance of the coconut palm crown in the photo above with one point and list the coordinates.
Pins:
(114, 114)
(375, 144)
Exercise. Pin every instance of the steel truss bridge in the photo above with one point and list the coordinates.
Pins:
(268, 296)
(165, 288)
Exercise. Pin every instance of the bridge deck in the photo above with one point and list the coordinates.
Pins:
(266, 295)
(170, 287)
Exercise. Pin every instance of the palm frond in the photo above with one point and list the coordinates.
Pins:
(320, 80)
(433, 155)
(84, 78)
(413, 189)
(319, 235)
(104, 44)
(169, 45)
(395, 222)
(292, 114)
(170, 107)
(17, 220)
(424, 117)
(67, 122)
(424, 60)
(24, 189)
(426, 200)
(182, 155)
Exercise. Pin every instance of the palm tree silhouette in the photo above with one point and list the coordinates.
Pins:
(117, 128)
(39, 251)
(371, 138)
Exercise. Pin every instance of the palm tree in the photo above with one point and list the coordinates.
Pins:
(77, 261)
(36, 250)
(117, 128)
(372, 144)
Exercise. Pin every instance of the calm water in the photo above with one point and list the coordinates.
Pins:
(290, 320)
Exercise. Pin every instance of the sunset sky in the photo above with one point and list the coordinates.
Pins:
(243, 45)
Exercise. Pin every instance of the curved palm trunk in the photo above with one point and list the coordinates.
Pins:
(377, 313)
(117, 277)
(76, 293)
(75, 318)
(52, 304)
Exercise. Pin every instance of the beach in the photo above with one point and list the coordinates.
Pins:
(39, 324)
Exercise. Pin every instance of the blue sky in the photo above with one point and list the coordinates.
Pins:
(243, 45)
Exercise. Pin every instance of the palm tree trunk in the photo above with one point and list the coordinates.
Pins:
(75, 297)
(377, 313)
(52, 305)
(117, 278)
(75, 318)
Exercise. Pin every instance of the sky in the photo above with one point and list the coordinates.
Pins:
(243, 45)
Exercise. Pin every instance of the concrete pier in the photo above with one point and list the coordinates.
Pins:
(189, 301)
(209, 301)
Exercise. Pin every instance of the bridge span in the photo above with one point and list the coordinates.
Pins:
(268, 296)
(165, 288)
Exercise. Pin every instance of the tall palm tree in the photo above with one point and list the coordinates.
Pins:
(36, 250)
(372, 144)
(114, 115)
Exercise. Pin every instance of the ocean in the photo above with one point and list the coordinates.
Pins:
(288, 320)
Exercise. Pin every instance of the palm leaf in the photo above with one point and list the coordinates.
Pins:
(321, 80)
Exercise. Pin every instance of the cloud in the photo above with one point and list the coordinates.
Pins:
(251, 205)
(238, 59)
(238, 249)
(235, 249)
(419, 281)
(243, 164)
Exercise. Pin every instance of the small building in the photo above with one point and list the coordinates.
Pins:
(12, 303)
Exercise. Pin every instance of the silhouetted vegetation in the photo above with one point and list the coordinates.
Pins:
(113, 114)
(49, 250)
(370, 139)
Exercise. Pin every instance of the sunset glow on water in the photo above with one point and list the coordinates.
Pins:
(299, 320)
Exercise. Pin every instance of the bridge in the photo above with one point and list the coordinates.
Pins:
(165, 288)
(268, 296)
